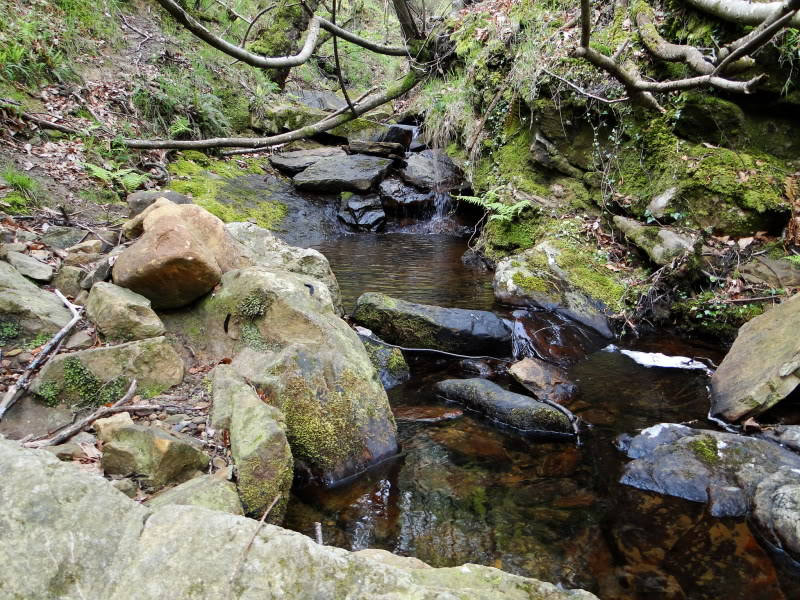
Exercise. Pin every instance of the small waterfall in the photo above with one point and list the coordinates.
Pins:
(442, 206)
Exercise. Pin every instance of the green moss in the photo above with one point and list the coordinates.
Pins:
(587, 273)
(707, 315)
(396, 363)
(49, 393)
(532, 283)
(83, 388)
(253, 305)
(253, 338)
(705, 449)
(39, 340)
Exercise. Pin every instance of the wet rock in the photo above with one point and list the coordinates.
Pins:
(32, 309)
(139, 201)
(349, 173)
(92, 377)
(121, 314)
(662, 244)
(776, 502)
(426, 414)
(181, 255)
(68, 281)
(763, 365)
(87, 539)
(506, 407)
(554, 337)
(390, 362)
(404, 200)
(299, 160)
(549, 277)
(476, 367)
(266, 250)
(543, 380)
(285, 337)
(29, 266)
(431, 170)
(362, 213)
(62, 237)
(207, 491)
(155, 456)
(777, 274)
(788, 435)
(722, 469)
(396, 134)
(413, 325)
(386, 149)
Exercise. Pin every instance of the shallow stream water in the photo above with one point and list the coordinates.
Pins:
(469, 490)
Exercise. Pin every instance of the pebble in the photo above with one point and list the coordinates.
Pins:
(175, 419)
(153, 416)
(162, 416)
(202, 405)
(198, 420)
(201, 427)
(6, 363)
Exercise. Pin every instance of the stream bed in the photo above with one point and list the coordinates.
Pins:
(469, 490)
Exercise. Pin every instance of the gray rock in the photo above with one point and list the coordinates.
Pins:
(207, 491)
(67, 452)
(319, 100)
(543, 379)
(386, 149)
(100, 270)
(431, 170)
(29, 266)
(67, 534)
(138, 201)
(23, 303)
(68, 281)
(402, 199)
(80, 340)
(503, 406)
(390, 362)
(30, 417)
(349, 173)
(63, 237)
(155, 456)
(126, 486)
(299, 160)
(722, 469)
(86, 247)
(662, 244)
(456, 330)
(121, 314)
(362, 213)
(660, 204)
(776, 505)
(87, 377)
(778, 274)
(763, 365)
(787, 435)
(106, 427)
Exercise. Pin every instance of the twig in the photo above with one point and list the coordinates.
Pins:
(75, 429)
(41, 122)
(90, 230)
(13, 394)
(746, 300)
(318, 532)
(250, 543)
(584, 92)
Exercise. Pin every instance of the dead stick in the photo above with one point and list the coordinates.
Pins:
(13, 394)
(250, 543)
(75, 429)
(318, 532)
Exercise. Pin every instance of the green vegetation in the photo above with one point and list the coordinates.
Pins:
(25, 190)
(84, 389)
(8, 332)
(705, 448)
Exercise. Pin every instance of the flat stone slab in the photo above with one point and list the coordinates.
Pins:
(299, 160)
(347, 173)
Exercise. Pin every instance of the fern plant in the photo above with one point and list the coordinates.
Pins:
(128, 179)
(496, 209)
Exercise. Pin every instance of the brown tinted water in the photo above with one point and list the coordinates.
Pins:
(469, 490)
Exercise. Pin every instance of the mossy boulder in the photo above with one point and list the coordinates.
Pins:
(389, 361)
(662, 244)
(516, 410)
(121, 314)
(413, 325)
(102, 375)
(27, 309)
(283, 116)
(209, 491)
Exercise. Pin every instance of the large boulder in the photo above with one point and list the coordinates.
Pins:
(28, 307)
(181, 255)
(431, 170)
(102, 375)
(349, 173)
(563, 278)
(763, 365)
(506, 407)
(286, 338)
(723, 469)
(299, 160)
(209, 491)
(258, 443)
(266, 250)
(155, 457)
(543, 379)
(662, 244)
(414, 325)
(67, 534)
(121, 314)
(139, 201)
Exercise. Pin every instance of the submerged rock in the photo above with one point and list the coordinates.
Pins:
(426, 414)
(362, 213)
(543, 379)
(68, 534)
(662, 244)
(506, 407)
(431, 170)
(349, 173)
(763, 365)
(722, 469)
(26, 306)
(208, 491)
(121, 314)
(389, 361)
(299, 160)
(456, 330)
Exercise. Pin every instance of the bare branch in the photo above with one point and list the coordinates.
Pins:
(338, 64)
(742, 12)
(666, 51)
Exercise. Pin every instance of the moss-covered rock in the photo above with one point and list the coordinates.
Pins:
(209, 491)
(389, 361)
(25, 308)
(662, 244)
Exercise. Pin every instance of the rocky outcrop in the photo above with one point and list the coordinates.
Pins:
(139, 201)
(67, 534)
(413, 325)
(287, 340)
(723, 469)
(299, 160)
(266, 250)
(153, 456)
(208, 491)
(181, 255)
(390, 362)
(350, 173)
(121, 314)
(763, 365)
(662, 244)
(543, 379)
(431, 170)
(503, 406)
(102, 375)
(26, 306)
(362, 213)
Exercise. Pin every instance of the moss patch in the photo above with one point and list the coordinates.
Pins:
(705, 449)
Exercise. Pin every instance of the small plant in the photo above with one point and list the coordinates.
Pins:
(40, 340)
(254, 305)
(127, 179)
(495, 207)
(25, 190)
(180, 128)
(794, 259)
(8, 331)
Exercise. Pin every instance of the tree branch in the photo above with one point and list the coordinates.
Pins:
(742, 12)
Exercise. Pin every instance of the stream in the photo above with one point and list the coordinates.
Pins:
(470, 491)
